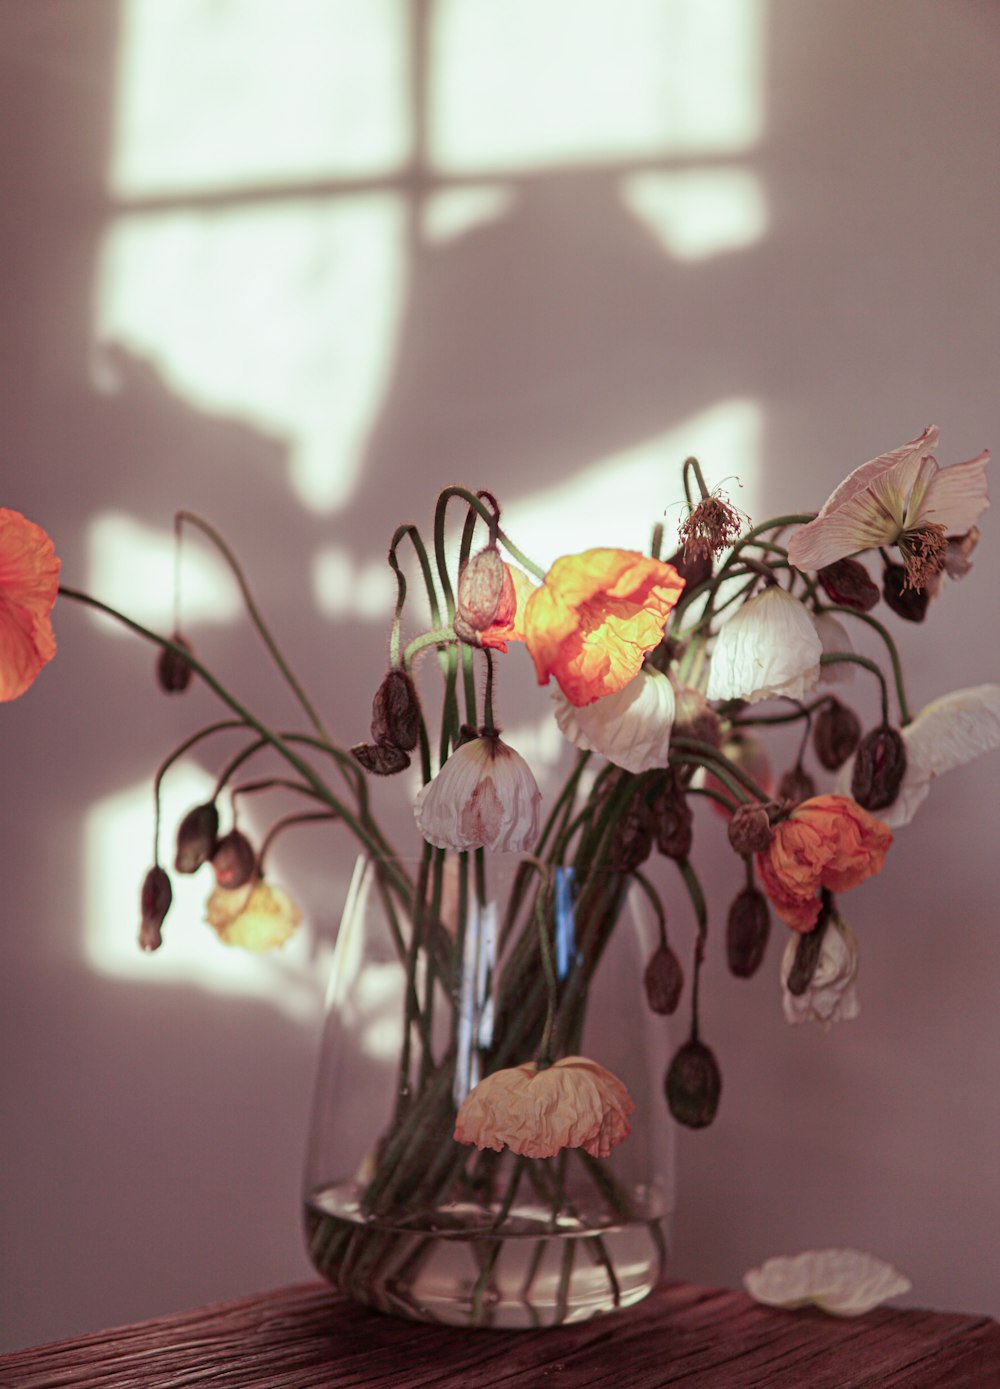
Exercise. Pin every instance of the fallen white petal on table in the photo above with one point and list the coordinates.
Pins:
(844, 1282)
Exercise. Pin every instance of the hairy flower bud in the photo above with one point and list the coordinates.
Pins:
(154, 900)
(663, 980)
(480, 588)
(173, 672)
(382, 759)
(196, 836)
(749, 828)
(836, 733)
(234, 860)
(848, 583)
(693, 1085)
(747, 930)
(672, 819)
(879, 767)
(796, 785)
(396, 712)
(905, 601)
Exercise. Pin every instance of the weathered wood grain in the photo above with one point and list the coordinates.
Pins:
(701, 1338)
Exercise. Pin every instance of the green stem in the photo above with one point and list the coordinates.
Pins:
(897, 665)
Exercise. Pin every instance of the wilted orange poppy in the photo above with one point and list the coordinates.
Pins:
(827, 842)
(29, 582)
(594, 618)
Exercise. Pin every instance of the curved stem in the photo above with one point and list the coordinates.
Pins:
(897, 666)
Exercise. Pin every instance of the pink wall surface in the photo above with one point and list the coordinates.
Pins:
(154, 1131)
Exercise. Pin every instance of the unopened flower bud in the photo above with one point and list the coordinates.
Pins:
(632, 839)
(382, 759)
(836, 733)
(747, 930)
(796, 786)
(693, 1085)
(234, 860)
(672, 820)
(879, 767)
(906, 602)
(396, 712)
(155, 900)
(663, 980)
(173, 671)
(196, 837)
(480, 588)
(848, 583)
(749, 828)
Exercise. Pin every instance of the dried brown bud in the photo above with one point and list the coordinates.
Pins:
(848, 583)
(749, 828)
(154, 900)
(693, 1085)
(480, 588)
(382, 759)
(879, 767)
(747, 930)
(632, 839)
(173, 672)
(196, 836)
(396, 712)
(695, 570)
(796, 786)
(663, 980)
(234, 860)
(906, 602)
(672, 819)
(836, 733)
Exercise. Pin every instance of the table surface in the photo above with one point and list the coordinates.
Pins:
(703, 1338)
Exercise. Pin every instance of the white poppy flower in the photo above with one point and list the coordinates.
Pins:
(833, 635)
(844, 1282)
(947, 733)
(769, 647)
(631, 727)
(831, 995)
(484, 797)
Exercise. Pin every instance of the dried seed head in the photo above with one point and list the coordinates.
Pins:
(906, 600)
(693, 1085)
(632, 839)
(663, 980)
(836, 733)
(396, 712)
(879, 767)
(747, 930)
(173, 672)
(196, 838)
(381, 759)
(673, 825)
(848, 583)
(749, 828)
(234, 860)
(154, 901)
(713, 525)
(796, 785)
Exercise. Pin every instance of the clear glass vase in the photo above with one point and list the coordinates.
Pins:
(438, 978)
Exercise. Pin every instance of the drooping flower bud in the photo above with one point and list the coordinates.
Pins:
(396, 712)
(879, 767)
(480, 588)
(747, 930)
(632, 838)
(234, 860)
(796, 785)
(906, 601)
(673, 826)
(382, 759)
(663, 980)
(196, 837)
(693, 1085)
(154, 900)
(836, 733)
(173, 672)
(848, 583)
(749, 828)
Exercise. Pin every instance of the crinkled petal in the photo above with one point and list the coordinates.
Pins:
(958, 495)
(769, 647)
(29, 584)
(257, 918)
(631, 728)
(844, 1282)
(484, 797)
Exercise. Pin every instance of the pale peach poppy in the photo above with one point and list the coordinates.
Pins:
(574, 1103)
(29, 583)
(257, 918)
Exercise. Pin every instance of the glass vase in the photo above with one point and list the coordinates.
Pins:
(445, 970)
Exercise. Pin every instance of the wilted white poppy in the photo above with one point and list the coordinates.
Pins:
(631, 727)
(844, 1282)
(769, 647)
(831, 995)
(947, 733)
(484, 797)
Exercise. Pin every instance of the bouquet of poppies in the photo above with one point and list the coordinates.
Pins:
(657, 668)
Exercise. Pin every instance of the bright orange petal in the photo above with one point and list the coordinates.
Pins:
(29, 582)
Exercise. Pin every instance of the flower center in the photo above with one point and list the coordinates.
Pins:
(923, 550)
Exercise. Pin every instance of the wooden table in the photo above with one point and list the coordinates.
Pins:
(702, 1338)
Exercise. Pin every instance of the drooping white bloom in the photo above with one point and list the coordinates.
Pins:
(844, 1282)
(769, 647)
(831, 995)
(631, 727)
(947, 733)
(484, 797)
(833, 635)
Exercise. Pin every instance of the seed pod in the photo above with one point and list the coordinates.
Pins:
(173, 672)
(796, 786)
(632, 839)
(749, 828)
(154, 901)
(396, 712)
(747, 930)
(672, 820)
(196, 837)
(836, 733)
(693, 1085)
(848, 583)
(694, 571)
(663, 980)
(908, 603)
(234, 860)
(480, 588)
(382, 759)
(879, 767)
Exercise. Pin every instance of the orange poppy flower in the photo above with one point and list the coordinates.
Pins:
(594, 618)
(827, 841)
(29, 582)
